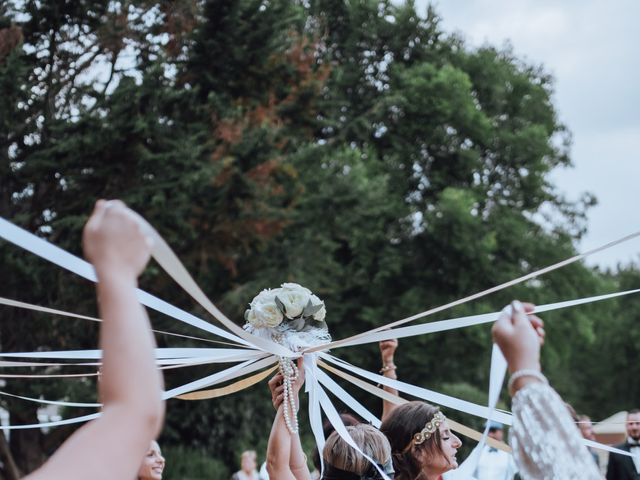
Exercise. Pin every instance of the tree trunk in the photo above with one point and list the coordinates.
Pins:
(9, 468)
(26, 445)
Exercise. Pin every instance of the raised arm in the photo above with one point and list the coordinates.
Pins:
(285, 457)
(113, 446)
(387, 352)
(545, 441)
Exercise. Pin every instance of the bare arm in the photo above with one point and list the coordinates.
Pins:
(285, 457)
(387, 352)
(112, 446)
(545, 441)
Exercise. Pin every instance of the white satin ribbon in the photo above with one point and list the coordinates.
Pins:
(161, 353)
(481, 294)
(419, 392)
(64, 259)
(468, 321)
(334, 417)
(29, 306)
(345, 397)
(312, 388)
(229, 374)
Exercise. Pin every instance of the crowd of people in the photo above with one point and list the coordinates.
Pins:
(413, 442)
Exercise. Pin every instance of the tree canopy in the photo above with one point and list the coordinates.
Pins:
(353, 147)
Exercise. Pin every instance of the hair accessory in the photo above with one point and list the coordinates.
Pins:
(429, 429)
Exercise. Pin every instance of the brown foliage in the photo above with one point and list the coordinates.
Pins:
(180, 19)
(10, 38)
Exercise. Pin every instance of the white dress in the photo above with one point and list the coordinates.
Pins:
(546, 444)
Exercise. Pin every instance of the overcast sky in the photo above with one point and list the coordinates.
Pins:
(591, 48)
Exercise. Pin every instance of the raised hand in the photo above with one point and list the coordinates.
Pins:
(520, 334)
(114, 240)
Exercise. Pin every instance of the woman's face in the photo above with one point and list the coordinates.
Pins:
(153, 464)
(248, 463)
(450, 444)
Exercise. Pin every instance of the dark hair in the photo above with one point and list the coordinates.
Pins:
(572, 412)
(400, 426)
(632, 411)
(348, 420)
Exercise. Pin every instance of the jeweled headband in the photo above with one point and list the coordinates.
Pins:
(428, 430)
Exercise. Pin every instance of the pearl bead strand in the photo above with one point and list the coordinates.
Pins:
(290, 373)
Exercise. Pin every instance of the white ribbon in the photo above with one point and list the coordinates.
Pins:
(64, 259)
(312, 388)
(334, 417)
(161, 353)
(229, 374)
(29, 306)
(344, 396)
(468, 321)
(419, 392)
(251, 362)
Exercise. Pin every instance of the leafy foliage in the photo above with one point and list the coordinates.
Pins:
(353, 147)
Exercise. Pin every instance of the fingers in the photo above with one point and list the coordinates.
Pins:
(275, 382)
(503, 324)
(518, 312)
(536, 322)
(300, 379)
(98, 212)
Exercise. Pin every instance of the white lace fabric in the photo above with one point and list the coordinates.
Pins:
(546, 443)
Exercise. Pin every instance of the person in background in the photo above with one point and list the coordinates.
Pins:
(264, 474)
(248, 465)
(622, 467)
(586, 429)
(387, 352)
(495, 464)
(343, 462)
(152, 464)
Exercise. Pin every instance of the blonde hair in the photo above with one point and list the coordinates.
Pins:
(371, 442)
(249, 453)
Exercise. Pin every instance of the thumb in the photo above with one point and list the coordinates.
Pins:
(519, 315)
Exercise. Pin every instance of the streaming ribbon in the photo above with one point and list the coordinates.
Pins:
(259, 354)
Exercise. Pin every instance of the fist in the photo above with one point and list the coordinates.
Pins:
(114, 240)
(519, 334)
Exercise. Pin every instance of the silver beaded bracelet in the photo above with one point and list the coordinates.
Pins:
(525, 373)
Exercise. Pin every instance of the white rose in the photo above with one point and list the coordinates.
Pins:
(294, 301)
(265, 315)
(295, 286)
(265, 296)
(322, 313)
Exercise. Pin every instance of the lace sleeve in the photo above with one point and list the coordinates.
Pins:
(546, 443)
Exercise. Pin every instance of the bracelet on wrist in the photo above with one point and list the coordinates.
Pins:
(387, 367)
(525, 373)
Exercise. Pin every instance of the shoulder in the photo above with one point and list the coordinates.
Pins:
(621, 446)
(614, 457)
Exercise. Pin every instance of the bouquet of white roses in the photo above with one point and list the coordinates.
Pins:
(290, 315)
(294, 317)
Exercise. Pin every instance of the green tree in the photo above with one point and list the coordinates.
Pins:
(354, 147)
